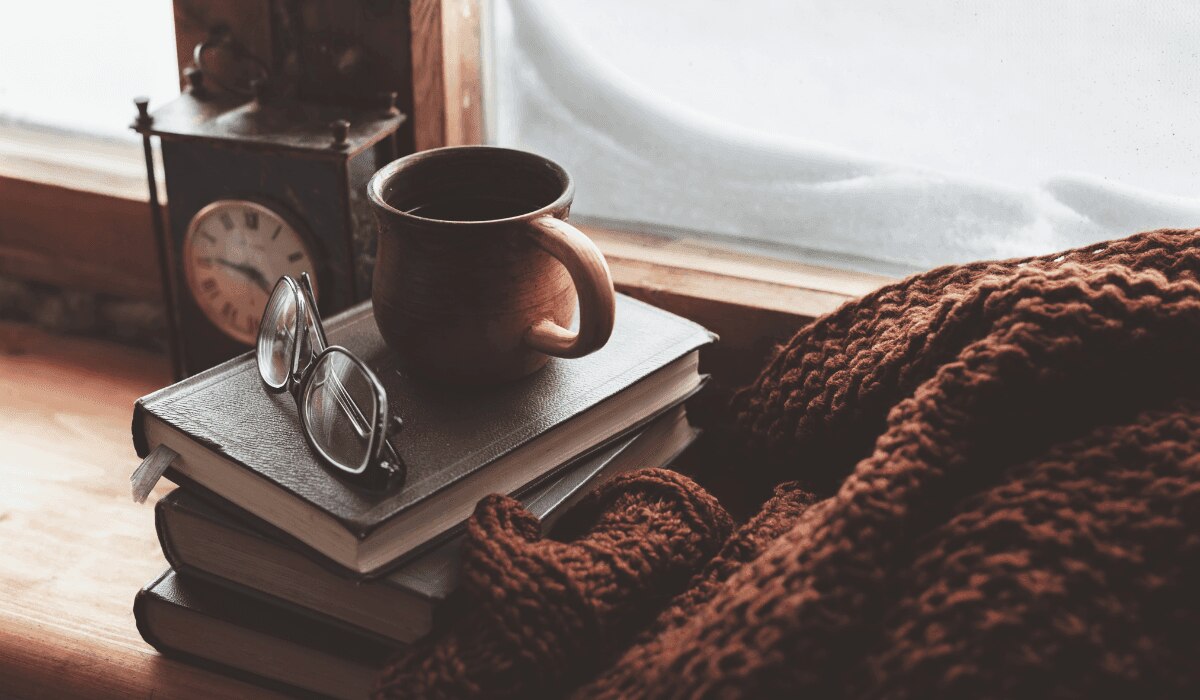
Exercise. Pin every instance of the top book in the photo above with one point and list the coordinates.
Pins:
(245, 445)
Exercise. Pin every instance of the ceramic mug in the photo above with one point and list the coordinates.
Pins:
(478, 273)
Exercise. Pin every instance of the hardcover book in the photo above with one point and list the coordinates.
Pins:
(203, 623)
(215, 541)
(245, 445)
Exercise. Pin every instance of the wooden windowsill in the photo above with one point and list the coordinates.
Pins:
(76, 546)
(93, 164)
(652, 261)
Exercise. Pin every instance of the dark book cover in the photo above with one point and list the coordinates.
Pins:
(215, 627)
(449, 434)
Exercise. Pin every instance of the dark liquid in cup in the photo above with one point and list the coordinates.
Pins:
(472, 209)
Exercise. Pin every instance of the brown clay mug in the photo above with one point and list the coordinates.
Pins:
(478, 273)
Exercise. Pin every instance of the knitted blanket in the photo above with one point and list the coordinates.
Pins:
(986, 484)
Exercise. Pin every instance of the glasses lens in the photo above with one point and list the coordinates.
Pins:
(277, 336)
(340, 408)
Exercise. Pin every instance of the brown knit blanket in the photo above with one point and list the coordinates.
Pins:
(987, 484)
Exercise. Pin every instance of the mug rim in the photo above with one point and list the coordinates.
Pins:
(387, 172)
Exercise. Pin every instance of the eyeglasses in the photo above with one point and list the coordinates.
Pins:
(342, 406)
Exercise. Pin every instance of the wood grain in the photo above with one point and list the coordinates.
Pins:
(461, 61)
(77, 239)
(75, 161)
(76, 549)
(248, 20)
(447, 85)
(429, 79)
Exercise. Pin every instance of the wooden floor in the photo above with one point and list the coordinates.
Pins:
(74, 547)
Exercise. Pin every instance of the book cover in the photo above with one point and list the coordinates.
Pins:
(211, 626)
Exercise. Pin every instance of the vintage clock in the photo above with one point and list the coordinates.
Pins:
(258, 187)
(233, 252)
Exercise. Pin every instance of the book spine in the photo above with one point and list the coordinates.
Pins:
(141, 619)
(138, 429)
(163, 530)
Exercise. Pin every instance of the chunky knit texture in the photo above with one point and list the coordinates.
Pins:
(548, 610)
(988, 486)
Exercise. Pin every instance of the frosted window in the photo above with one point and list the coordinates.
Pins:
(78, 64)
(878, 134)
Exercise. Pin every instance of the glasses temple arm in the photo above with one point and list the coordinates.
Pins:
(314, 315)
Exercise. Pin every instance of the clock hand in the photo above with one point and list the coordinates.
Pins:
(252, 273)
(261, 280)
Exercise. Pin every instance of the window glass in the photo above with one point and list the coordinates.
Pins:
(880, 135)
(78, 64)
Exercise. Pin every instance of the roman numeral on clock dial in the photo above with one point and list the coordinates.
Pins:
(234, 253)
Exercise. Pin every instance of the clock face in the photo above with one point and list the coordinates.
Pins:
(234, 252)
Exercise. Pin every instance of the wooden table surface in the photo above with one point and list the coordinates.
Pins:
(74, 547)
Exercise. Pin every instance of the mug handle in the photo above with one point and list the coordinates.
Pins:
(593, 285)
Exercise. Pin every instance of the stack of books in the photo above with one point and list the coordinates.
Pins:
(281, 570)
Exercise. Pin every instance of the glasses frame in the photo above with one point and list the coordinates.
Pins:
(376, 472)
